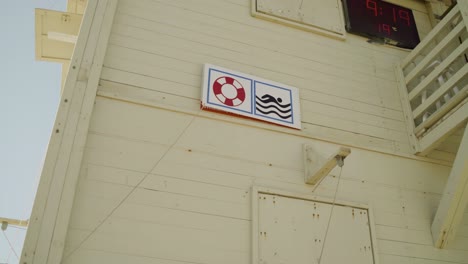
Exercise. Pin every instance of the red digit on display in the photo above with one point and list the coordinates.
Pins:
(386, 28)
(372, 5)
(403, 14)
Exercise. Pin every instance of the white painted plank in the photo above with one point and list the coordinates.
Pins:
(40, 202)
(279, 64)
(454, 102)
(122, 153)
(248, 35)
(89, 72)
(440, 46)
(427, 252)
(377, 194)
(197, 197)
(181, 71)
(424, 84)
(424, 43)
(46, 237)
(176, 103)
(116, 118)
(454, 200)
(442, 131)
(200, 246)
(147, 82)
(94, 202)
(242, 20)
(201, 55)
(390, 259)
(98, 256)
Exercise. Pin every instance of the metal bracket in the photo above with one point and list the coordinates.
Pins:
(317, 167)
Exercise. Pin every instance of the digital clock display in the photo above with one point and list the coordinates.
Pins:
(383, 20)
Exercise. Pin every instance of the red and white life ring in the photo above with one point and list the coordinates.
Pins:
(229, 85)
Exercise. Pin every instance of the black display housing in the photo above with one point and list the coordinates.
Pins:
(382, 21)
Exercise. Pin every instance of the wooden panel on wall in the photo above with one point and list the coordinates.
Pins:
(136, 204)
(164, 182)
(346, 87)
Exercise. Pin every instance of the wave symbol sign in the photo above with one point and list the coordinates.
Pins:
(268, 104)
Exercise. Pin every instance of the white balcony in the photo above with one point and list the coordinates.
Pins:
(433, 81)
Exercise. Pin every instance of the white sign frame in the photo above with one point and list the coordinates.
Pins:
(246, 95)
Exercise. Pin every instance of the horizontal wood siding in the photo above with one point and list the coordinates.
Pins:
(159, 186)
(164, 182)
(348, 88)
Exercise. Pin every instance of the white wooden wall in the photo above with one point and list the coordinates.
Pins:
(163, 182)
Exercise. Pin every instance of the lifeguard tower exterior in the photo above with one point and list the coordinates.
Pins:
(255, 131)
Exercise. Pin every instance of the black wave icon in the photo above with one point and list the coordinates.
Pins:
(267, 104)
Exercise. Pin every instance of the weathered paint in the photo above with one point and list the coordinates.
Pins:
(163, 182)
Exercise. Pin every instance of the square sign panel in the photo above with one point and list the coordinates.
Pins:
(250, 96)
(303, 230)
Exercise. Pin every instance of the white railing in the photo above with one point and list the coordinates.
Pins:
(433, 81)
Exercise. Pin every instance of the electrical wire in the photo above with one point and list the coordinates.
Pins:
(15, 239)
(136, 186)
(9, 243)
(340, 163)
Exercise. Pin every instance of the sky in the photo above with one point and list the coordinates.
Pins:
(29, 96)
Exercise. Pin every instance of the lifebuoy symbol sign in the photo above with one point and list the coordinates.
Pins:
(240, 94)
(229, 91)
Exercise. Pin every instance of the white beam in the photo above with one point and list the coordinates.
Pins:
(62, 37)
(451, 123)
(15, 222)
(454, 199)
(45, 239)
(317, 167)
